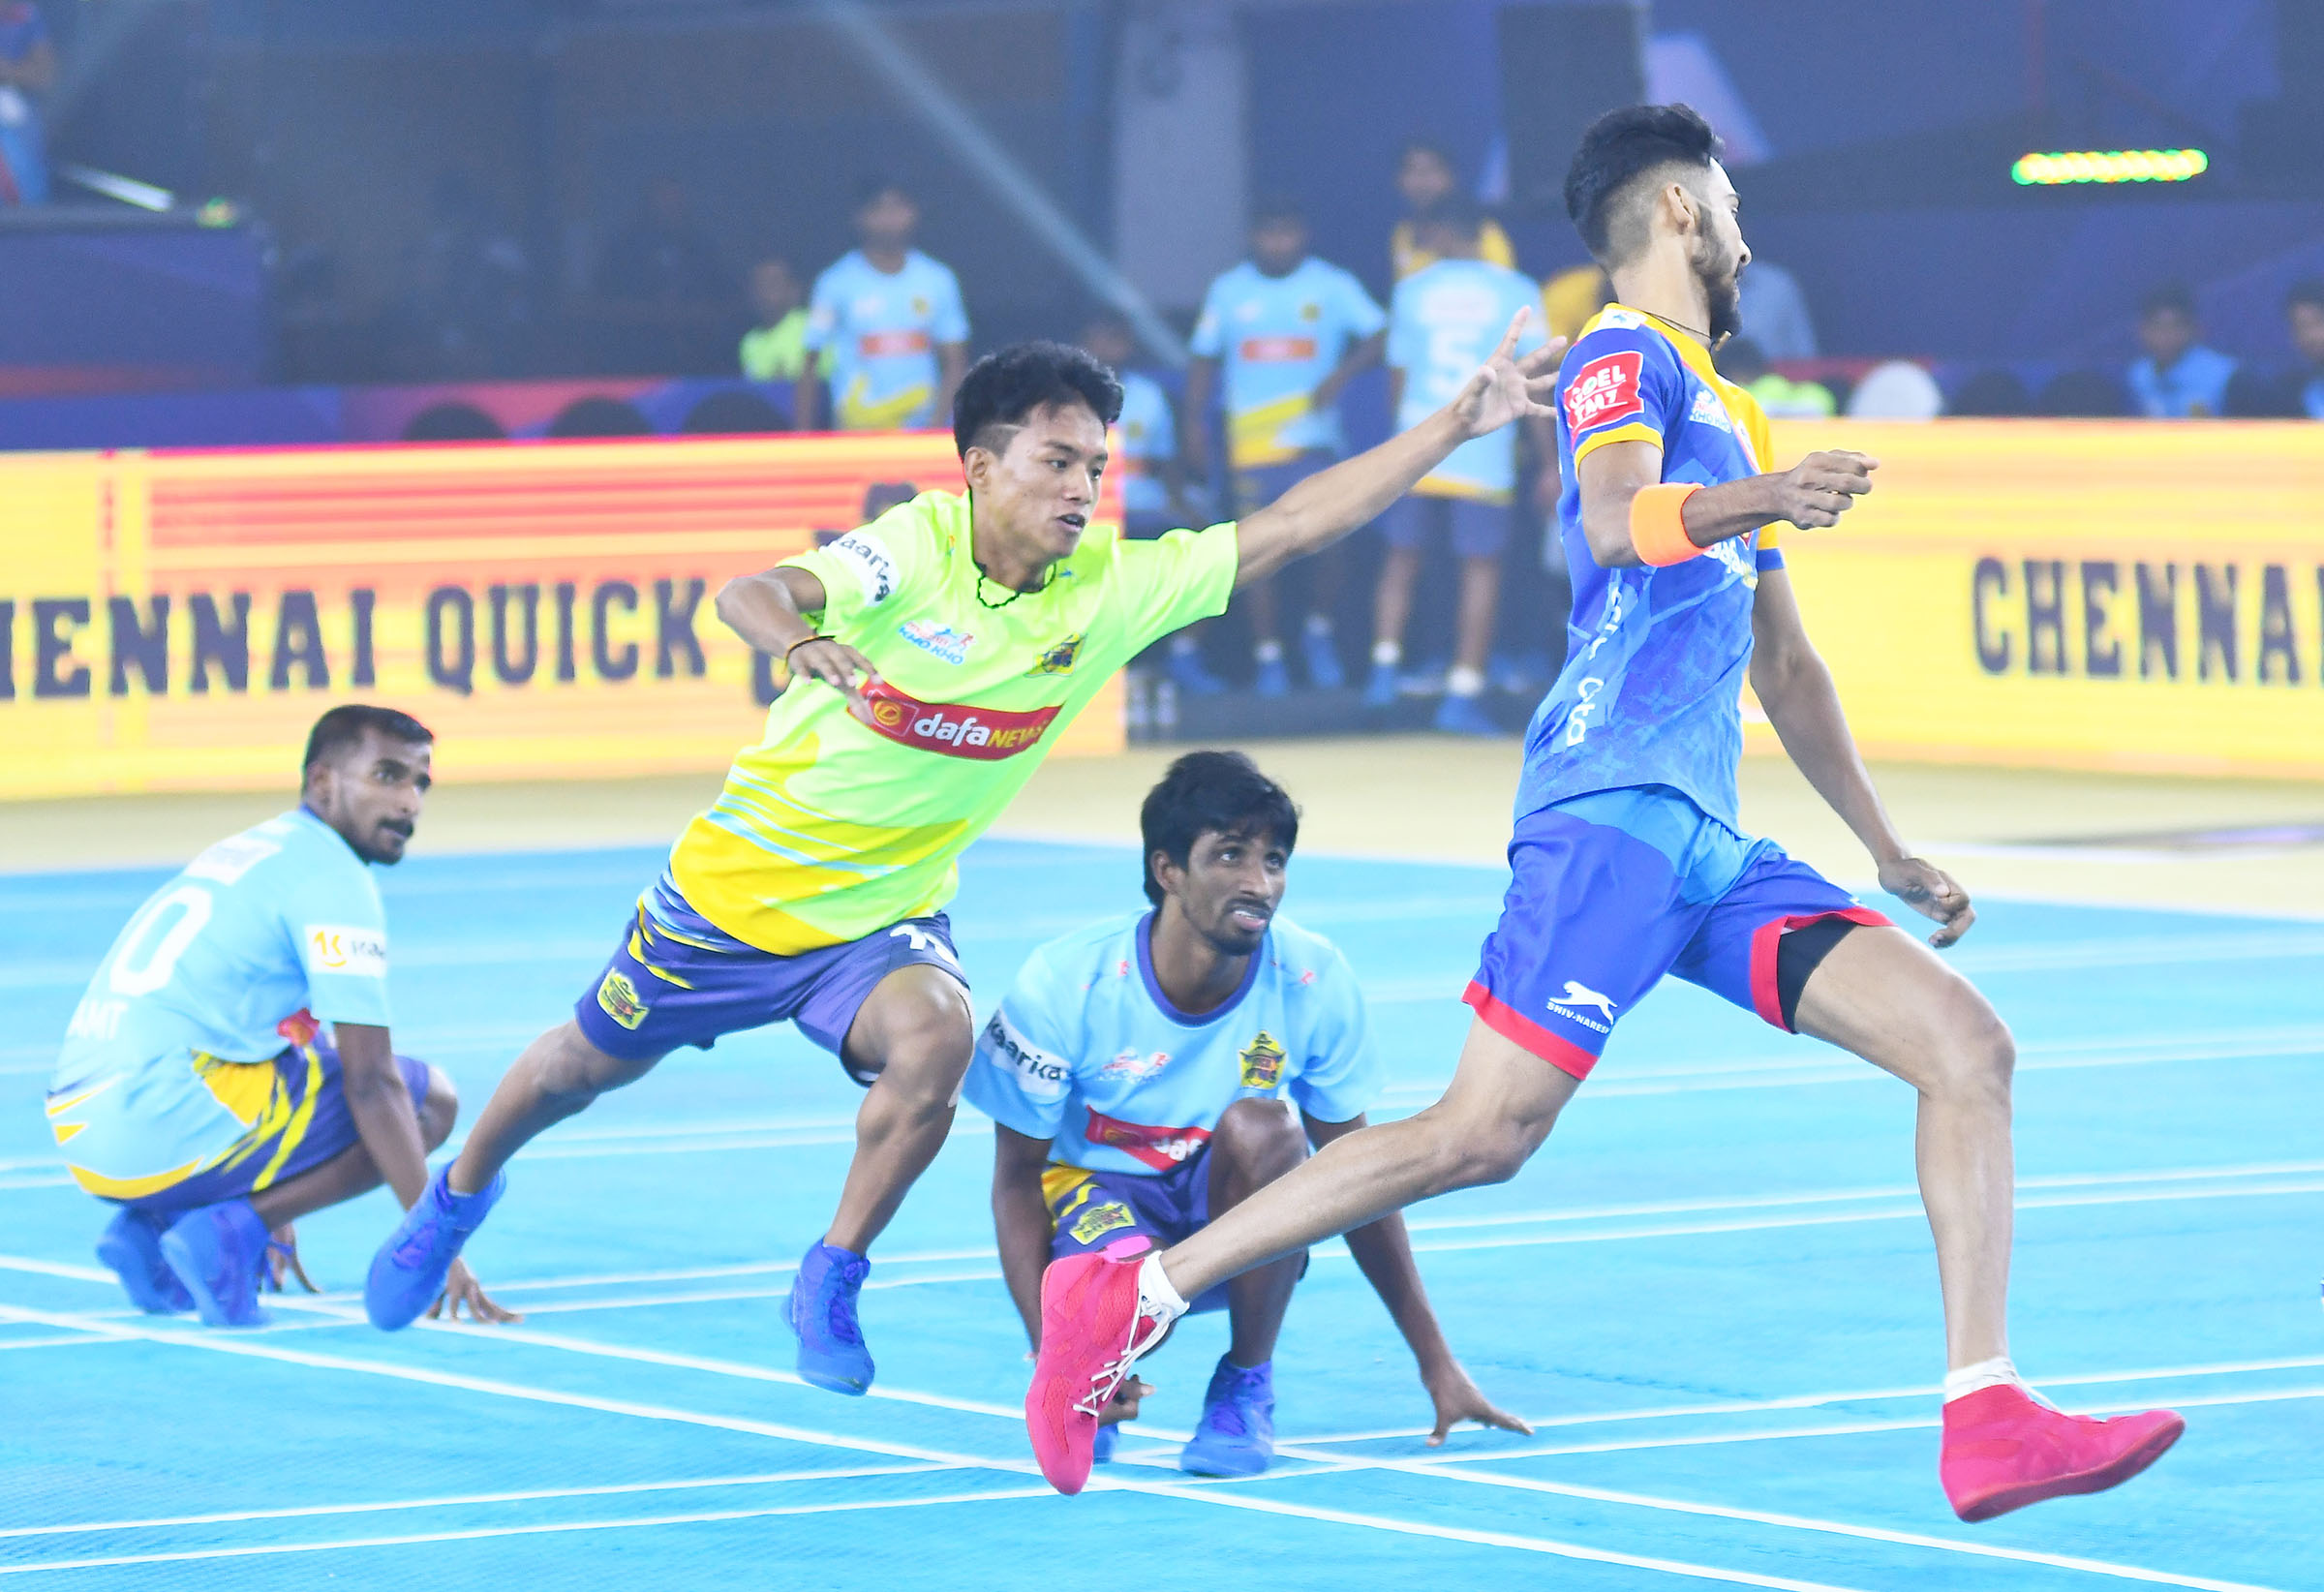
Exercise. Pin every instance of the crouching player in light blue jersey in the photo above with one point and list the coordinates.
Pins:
(198, 1090)
(1144, 1074)
(1627, 863)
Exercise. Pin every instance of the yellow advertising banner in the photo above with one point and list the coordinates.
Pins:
(2141, 595)
(176, 620)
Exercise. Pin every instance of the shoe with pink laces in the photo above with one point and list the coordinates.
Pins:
(2004, 1449)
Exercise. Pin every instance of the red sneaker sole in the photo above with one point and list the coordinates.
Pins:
(2114, 1473)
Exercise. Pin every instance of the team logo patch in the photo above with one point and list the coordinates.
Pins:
(1262, 1062)
(1059, 657)
(1606, 391)
(1581, 995)
(333, 948)
(1101, 1219)
(619, 998)
(937, 640)
(1710, 412)
(1136, 1066)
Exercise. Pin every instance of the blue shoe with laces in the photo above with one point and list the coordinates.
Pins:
(1101, 1451)
(822, 1313)
(1274, 680)
(407, 1274)
(132, 1245)
(1187, 673)
(1380, 692)
(1465, 716)
(218, 1253)
(1237, 1433)
(1322, 652)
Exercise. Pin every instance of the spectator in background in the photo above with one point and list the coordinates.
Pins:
(663, 301)
(469, 309)
(1742, 361)
(2178, 378)
(774, 348)
(1427, 180)
(886, 330)
(2304, 310)
(1288, 332)
(28, 72)
(1775, 311)
(1445, 320)
(1571, 296)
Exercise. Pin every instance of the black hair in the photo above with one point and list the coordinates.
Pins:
(2174, 296)
(868, 190)
(345, 726)
(1002, 388)
(2308, 290)
(1619, 148)
(1274, 207)
(1207, 793)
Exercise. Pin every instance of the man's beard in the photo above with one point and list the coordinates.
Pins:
(1721, 293)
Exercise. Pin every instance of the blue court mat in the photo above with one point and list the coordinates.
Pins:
(1713, 1294)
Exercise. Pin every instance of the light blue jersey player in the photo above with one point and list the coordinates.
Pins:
(885, 326)
(1147, 1072)
(197, 1088)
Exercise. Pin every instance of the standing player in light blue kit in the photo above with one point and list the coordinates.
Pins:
(1141, 1075)
(886, 333)
(198, 1090)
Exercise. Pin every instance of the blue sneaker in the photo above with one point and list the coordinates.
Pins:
(1101, 1450)
(1380, 692)
(132, 1245)
(1186, 672)
(1323, 672)
(1274, 680)
(822, 1312)
(406, 1275)
(1465, 716)
(1236, 1434)
(219, 1252)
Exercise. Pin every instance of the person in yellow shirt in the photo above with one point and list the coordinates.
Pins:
(774, 348)
(1427, 178)
(1570, 298)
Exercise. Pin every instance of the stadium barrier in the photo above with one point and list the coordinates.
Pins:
(2140, 596)
(176, 620)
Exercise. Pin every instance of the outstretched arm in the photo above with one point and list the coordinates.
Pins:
(1332, 502)
(1794, 687)
(1384, 1254)
(1815, 492)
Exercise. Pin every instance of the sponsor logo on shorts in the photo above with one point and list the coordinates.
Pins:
(1606, 391)
(1102, 1218)
(1262, 1062)
(1058, 659)
(871, 563)
(1135, 1066)
(1160, 1147)
(938, 640)
(619, 998)
(984, 734)
(1039, 1075)
(1581, 995)
(335, 948)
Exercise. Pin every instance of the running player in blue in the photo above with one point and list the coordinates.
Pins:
(198, 1090)
(1627, 863)
(1142, 1074)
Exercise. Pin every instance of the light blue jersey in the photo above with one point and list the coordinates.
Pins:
(2195, 387)
(1444, 322)
(1277, 338)
(1146, 439)
(1652, 687)
(1087, 1051)
(219, 967)
(878, 337)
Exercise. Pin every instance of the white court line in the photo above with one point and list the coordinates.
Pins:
(457, 1500)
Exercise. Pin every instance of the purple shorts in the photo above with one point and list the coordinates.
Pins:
(678, 979)
(1475, 529)
(1093, 1209)
(1610, 891)
(305, 1125)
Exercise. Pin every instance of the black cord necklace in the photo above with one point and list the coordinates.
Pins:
(1707, 340)
(1015, 592)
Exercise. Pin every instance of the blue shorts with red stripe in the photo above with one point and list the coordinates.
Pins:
(1610, 891)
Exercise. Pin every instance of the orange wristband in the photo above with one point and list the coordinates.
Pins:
(1657, 529)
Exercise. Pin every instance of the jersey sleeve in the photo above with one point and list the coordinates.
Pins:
(1210, 337)
(1341, 1076)
(1627, 386)
(1169, 582)
(1358, 311)
(949, 323)
(866, 566)
(341, 931)
(823, 311)
(1022, 1070)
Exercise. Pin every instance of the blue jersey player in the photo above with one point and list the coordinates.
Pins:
(1145, 1073)
(1628, 864)
(228, 1070)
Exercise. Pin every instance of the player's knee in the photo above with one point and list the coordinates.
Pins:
(1979, 1053)
(440, 1110)
(920, 1042)
(1461, 1151)
(1259, 1139)
(571, 1072)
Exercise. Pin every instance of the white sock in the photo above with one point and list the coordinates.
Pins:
(1462, 681)
(1389, 653)
(1155, 1295)
(1268, 652)
(1985, 1374)
(1318, 625)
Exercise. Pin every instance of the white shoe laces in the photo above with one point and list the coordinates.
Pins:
(1108, 1377)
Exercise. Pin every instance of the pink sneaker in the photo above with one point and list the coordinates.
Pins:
(2005, 1450)
(1092, 1330)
